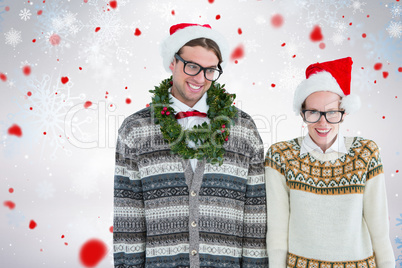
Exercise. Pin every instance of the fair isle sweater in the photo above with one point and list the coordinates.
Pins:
(167, 215)
(327, 210)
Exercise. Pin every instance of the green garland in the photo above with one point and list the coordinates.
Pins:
(209, 138)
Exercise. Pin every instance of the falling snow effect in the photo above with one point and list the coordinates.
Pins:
(364, 79)
(357, 6)
(395, 29)
(13, 37)
(320, 12)
(56, 19)
(111, 27)
(294, 46)
(162, 10)
(380, 46)
(396, 10)
(50, 101)
(290, 77)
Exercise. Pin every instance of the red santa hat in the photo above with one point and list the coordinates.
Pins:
(182, 33)
(334, 76)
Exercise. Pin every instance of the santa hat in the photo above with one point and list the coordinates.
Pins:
(333, 76)
(182, 33)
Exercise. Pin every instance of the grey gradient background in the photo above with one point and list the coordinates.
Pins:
(64, 180)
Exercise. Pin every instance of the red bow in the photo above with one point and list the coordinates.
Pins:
(181, 115)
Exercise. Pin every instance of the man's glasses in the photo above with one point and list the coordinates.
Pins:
(313, 116)
(192, 69)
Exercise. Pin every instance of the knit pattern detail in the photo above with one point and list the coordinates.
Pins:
(347, 174)
(154, 193)
(295, 261)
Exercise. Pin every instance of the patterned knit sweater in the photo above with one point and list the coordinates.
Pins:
(327, 210)
(166, 215)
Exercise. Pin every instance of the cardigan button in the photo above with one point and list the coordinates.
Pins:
(194, 224)
(194, 252)
(193, 193)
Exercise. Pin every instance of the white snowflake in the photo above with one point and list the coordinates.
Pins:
(13, 37)
(25, 14)
(290, 77)
(320, 12)
(395, 29)
(70, 19)
(357, 6)
(164, 10)
(338, 38)
(110, 26)
(45, 190)
(58, 24)
(396, 10)
(251, 45)
(341, 26)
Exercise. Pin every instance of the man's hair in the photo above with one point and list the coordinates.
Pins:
(205, 43)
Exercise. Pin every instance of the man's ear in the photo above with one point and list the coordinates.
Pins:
(172, 64)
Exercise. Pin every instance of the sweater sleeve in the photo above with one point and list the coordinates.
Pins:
(129, 231)
(255, 225)
(375, 212)
(277, 210)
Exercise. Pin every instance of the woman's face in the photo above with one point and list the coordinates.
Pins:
(322, 132)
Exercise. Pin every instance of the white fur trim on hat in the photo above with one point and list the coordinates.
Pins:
(174, 42)
(323, 81)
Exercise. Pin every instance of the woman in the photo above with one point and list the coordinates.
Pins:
(326, 197)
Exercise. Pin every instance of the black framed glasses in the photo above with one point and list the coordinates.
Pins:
(192, 69)
(313, 116)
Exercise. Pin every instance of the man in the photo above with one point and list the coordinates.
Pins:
(189, 183)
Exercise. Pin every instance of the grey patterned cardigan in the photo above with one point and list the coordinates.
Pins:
(166, 215)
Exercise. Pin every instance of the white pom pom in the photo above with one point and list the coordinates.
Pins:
(351, 103)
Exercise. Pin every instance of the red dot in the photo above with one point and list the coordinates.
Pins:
(383, 117)
(173, 13)
(9, 204)
(65, 243)
(54, 39)
(350, 24)
(322, 45)
(147, 105)
(364, 35)
(273, 85)
(3, 77)
(30, 108)
(378, 66)
(7, 8)
(32, 224)
(218, 17)
(239, 31)
(15, 130)
(33, 40)
(397, 171)
(39, 12)
(11, 190)
(375, 81)
(385, 74)
(137, 32)
(237, 53)
(399, 70)
(113, 4)
(284, 44)
(128, 100)
(368, 16)
(277, 20)
(85, 1)
(210, 1)
(111, 229)
(26, 70)
(316, 34)
(92, 252)
(29, 93)
(294, 56)
(87, 104)
(64, 79)
(97, 29)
